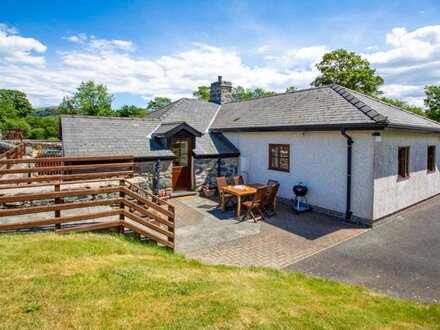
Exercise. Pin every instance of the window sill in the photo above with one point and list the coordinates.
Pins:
(430, 171)
(401, 178)
(278, 170)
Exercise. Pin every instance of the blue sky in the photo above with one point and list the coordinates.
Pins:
(142, 49)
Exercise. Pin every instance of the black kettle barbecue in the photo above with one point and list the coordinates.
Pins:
(299, 204)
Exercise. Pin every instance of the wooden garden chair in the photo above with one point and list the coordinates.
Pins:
(271, 183)
(229, 198)
(269, 201)
(238, 180)
(255, 204)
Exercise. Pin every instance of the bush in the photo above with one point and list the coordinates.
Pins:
(16, 123)
(51, 132)
(37, 134)
(50, 125)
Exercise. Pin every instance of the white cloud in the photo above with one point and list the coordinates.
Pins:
(410, 61)
(112, 62)
(16, 49)
(263, 48)
(299, 59)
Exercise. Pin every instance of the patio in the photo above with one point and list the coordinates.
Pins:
(206, 233)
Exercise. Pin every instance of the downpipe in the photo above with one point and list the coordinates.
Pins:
(350, 142)
(158, 167)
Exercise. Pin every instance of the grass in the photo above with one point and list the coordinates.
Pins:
(90, 281)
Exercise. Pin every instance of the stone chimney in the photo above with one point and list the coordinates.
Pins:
(221, 91)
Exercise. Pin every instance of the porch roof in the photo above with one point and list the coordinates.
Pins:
(166, 130)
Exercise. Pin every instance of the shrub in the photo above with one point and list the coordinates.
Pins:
(51, 132)
(50, 125)
(17, 123)
(37, 134)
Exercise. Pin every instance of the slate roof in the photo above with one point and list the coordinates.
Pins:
(99, 136)
(198, 114)
(398, 117)
(322, 108)
(168, 129)
(87, 135)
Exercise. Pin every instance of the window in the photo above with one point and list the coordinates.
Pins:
(279, 155)
(431, 158)
(180, 151)
(403, 162)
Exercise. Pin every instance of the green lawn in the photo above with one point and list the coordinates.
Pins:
(104, 281)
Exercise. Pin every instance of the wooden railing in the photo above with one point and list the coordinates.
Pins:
(49, 163)
(62, 169)
(135, 208)
(14, 153)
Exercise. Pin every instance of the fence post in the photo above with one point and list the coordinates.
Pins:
(121, 205)
(8, 156)
(57, 201)
(172, 229)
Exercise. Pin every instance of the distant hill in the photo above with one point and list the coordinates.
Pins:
(46, 111)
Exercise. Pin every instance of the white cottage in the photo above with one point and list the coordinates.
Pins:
(362, 159)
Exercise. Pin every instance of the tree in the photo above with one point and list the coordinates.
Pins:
(132, 111)
(432, 102)
(291, 89)
(158, 103)
(349, 70)
(404, 105)
(239, 93)
(90, 99)
(6, 108)
(93, 100)
(67, 106)
(202, 93)
(17, 100)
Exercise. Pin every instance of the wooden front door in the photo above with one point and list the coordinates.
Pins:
(181, 147)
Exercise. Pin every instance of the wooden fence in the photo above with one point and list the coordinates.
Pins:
(63, 169)
(10, 155)
(135, 208)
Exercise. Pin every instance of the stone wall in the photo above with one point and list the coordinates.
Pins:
(206, 170)
(35, 147)
(147, 170)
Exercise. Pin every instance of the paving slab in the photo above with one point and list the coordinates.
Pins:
(218, 238)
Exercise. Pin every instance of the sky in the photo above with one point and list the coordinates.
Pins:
(143, 49)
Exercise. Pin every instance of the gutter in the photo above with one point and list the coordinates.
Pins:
(223, 155)
(319, 127)
(414, 128)
(350, 142)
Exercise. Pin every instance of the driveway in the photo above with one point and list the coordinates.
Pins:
(399, 258)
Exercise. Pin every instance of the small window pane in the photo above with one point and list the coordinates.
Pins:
(431, 158)
(184, 159)
(403, 162)
(279, 157)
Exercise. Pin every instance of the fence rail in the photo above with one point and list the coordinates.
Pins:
(136, 208)
(12, 155)
(49, 169)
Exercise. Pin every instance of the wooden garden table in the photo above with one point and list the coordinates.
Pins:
(249, 190)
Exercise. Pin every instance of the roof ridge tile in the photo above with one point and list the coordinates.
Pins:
(398, 108)
(361, 106)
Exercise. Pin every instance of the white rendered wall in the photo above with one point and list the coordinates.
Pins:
(391, 194)
(319, 160)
